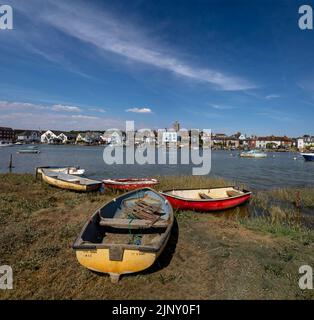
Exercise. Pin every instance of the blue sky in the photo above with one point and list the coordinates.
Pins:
(222, 65)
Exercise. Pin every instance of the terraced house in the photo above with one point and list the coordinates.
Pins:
(273, 142)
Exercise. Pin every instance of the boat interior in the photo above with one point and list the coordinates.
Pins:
(207, 194)
(69, 178)
(122, 221)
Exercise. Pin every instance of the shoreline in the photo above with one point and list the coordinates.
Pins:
(246, 256)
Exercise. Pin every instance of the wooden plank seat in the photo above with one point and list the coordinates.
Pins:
(234, 193)
(132, 223)
(141, 215)
(204, 196)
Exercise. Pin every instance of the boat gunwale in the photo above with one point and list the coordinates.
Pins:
(245, 193)
(131, 181)
(80, 244)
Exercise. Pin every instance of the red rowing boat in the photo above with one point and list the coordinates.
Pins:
(207, 199)
(129, 184)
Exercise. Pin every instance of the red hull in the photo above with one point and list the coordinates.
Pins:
(130, 184)
(206, 205)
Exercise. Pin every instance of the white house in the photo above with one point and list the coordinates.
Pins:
(29, 136)
(112, 137)
(263, 142)
(88, 138)
(300, 143)
(49, 137)
(169, 137)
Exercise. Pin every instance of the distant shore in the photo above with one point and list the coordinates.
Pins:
(250, 252)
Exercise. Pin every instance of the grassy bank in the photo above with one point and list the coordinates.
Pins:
(252, 252)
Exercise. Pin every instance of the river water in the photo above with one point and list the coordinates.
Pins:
(277, 170)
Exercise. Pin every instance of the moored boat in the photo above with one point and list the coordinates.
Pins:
(253, 154)
(5, 144)
(308, 156)
(129, 184)
(67, 169)
(32, 149)
(69, 182)
(207, 200)
(126, 235)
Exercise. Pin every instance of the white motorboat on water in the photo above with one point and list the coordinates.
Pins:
(5, 144)
(30, 150)
(253, 154)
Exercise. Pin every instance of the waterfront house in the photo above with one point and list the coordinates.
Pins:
(113, 137)
(273, 142)
(6, 134)
(28, 136)
(88, 138)
(222, 141)
(48, 137)
(300, 144)
(169, 137)
(305, 142)
(67, 137)
(251, 142)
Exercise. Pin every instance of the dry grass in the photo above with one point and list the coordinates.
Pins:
(207, 257)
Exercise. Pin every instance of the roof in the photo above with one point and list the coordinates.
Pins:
(274, 138)
(27, 132)
(6, 128)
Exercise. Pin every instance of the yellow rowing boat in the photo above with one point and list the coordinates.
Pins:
(126, 235)
(69, 182)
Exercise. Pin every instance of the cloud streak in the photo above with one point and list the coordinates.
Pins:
(20, 115)
(110, 34)
(139, 110)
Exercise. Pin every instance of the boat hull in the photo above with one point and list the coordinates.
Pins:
(70, 185)
(206, 205)
(133, 261)
(308, 156)
(261, 155)
(129, 184)
(29, 151)
(69, 170)
(118, 258)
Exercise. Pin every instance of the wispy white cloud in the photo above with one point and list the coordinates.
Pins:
(21, 115)
(139, 110)
(98, 110)
(272, 96)
(82, 116)
(276, 115)
(60, 107)
(114, 35)
(221, 107)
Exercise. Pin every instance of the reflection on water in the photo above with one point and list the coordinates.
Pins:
(277, 170)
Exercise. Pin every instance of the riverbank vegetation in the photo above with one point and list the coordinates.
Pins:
(250, 252)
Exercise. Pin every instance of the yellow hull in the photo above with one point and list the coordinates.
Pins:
(68, 185)
(133, 261)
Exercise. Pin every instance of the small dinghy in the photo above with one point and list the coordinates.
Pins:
(207, 199)
(68, 170)
(31, 150)
(69, 182)
(129, 184)
(126, 235)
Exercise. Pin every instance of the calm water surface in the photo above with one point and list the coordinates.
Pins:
(277, 170)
